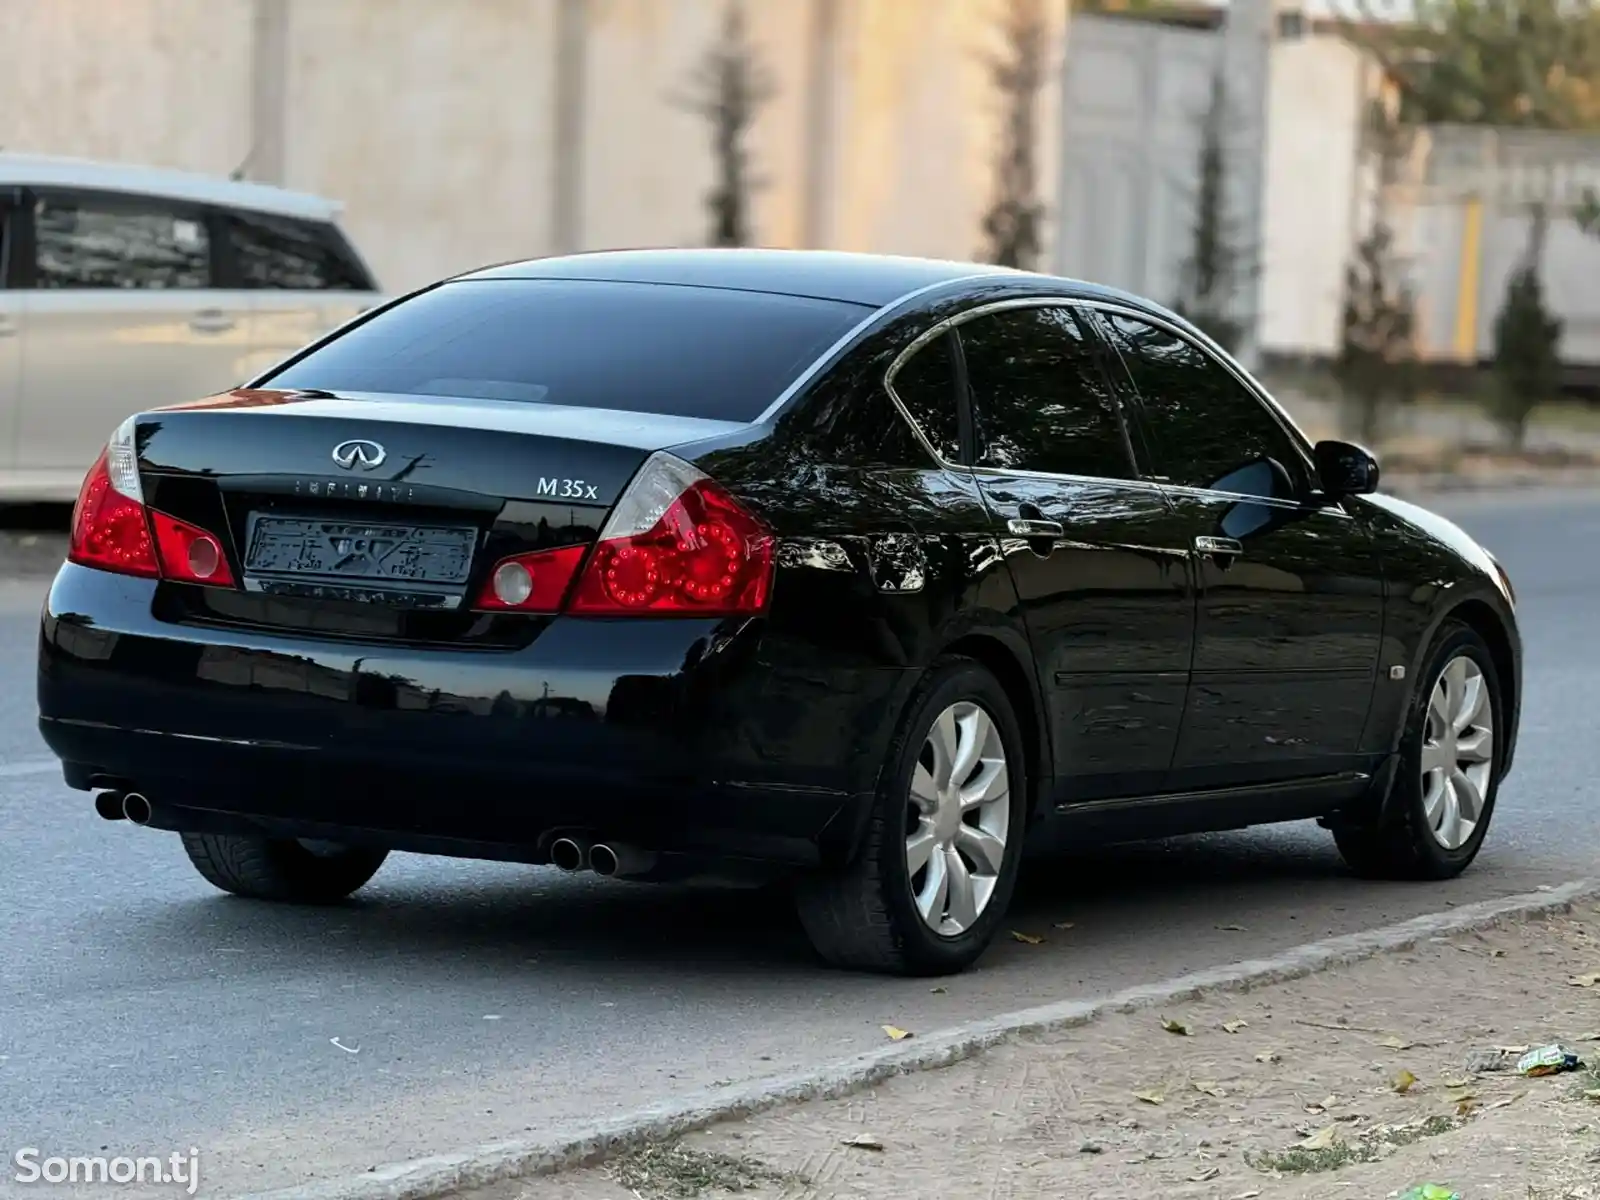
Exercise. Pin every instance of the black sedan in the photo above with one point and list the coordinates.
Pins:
(852, 573)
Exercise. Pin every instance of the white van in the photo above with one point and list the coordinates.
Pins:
(125, 288)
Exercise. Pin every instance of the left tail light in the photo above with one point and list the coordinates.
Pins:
(113, 530)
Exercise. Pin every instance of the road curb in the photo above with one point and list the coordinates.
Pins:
(429, 1178)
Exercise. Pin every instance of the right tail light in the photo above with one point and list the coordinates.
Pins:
(677, 544)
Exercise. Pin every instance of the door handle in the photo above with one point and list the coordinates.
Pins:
(1031, 528)
(1220, 546)
(211, 320)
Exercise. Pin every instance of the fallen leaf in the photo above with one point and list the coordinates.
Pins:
(1585, 981)
(939, 991)
(1232, 928)
(896, 1034)
(1315, 1109)
(1150, 1097)
(1465, 1105)
(1507, 1100)
(1209, 1089)
(1251, 1195)
(1063, 924)
(1592, 1094)
(1203, 1176)
(1457, 1081)
(1269, 1056)
(1403, 1081)
(862, 1141)
(1234, 1026)
(1395, 1043)
(1330, 1101)
(1027, 939)
(1323, 1139)
(1177, 1027)
(1591, 1037)
(1497, 954)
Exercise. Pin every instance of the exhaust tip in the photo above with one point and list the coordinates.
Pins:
(109, 805)
(603, 859)
(566, 854)
(136, 808)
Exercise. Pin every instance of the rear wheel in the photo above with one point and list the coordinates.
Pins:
(1444, 791)
(285, 869)
(939, 861)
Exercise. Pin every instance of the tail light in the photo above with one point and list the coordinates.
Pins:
(676, 545)
(112, 528)
(536, 582)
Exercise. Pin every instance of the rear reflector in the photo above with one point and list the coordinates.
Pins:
(677, 544)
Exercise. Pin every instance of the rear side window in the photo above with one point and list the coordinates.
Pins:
(302, 256)
(93, 242)
(680, 351)
(926, 385)
(1040, 398)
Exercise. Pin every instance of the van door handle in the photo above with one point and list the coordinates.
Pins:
(211, 320)
(1030, 528)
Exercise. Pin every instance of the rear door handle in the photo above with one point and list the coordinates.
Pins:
(1026, 527)
(1225, 547)
(211, 320)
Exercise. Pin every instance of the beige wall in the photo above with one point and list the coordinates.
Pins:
(434, 120)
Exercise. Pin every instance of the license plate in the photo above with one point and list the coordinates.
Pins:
(383, 553)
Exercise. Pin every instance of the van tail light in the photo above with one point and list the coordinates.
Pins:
(677, 544)
(112, 530)
(531, 583)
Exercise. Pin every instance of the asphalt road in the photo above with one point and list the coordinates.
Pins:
(144, 1013)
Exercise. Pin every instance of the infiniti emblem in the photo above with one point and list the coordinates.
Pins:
(356, 452)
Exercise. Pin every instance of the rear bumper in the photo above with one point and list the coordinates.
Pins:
(682, 736)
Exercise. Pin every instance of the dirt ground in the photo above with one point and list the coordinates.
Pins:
(1357, 1083)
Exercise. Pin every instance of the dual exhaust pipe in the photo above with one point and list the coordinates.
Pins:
(612, 860)
(133, 807)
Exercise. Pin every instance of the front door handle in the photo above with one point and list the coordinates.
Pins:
(211, 320)
(1030, 528)
(1219, 547)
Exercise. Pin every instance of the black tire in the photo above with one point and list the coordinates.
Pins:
(1401, 844)
(864, 917)
(286, 870)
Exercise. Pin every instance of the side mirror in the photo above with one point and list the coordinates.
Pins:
(1346, 469)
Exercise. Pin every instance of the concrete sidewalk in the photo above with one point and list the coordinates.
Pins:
(1359, 1082)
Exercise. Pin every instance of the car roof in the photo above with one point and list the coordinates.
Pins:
(43, 170)
(873, 280)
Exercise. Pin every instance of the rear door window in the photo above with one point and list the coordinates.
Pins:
(103, 242)
(293, 255)
(1041, 400)
(926, 385)
(655, 348)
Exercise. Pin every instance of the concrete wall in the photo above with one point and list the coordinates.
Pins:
(437, 123)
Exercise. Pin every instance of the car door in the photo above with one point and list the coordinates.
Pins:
(1093, 550)
(120, 314)
(303, 279)
(10, 339)
(1290, 601)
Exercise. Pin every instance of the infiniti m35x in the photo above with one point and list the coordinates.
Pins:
(855, 572)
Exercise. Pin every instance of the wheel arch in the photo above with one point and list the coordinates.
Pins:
(1011, 665)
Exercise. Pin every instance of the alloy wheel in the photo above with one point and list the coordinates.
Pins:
(1457, 752)
(958, 817)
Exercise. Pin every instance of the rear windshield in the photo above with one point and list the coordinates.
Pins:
(681, 351)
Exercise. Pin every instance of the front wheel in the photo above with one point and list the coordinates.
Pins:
(284, 869)
(1444, 792)
(943, 843)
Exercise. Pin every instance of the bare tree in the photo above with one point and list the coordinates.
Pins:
(729, 88)
(1012, 227)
